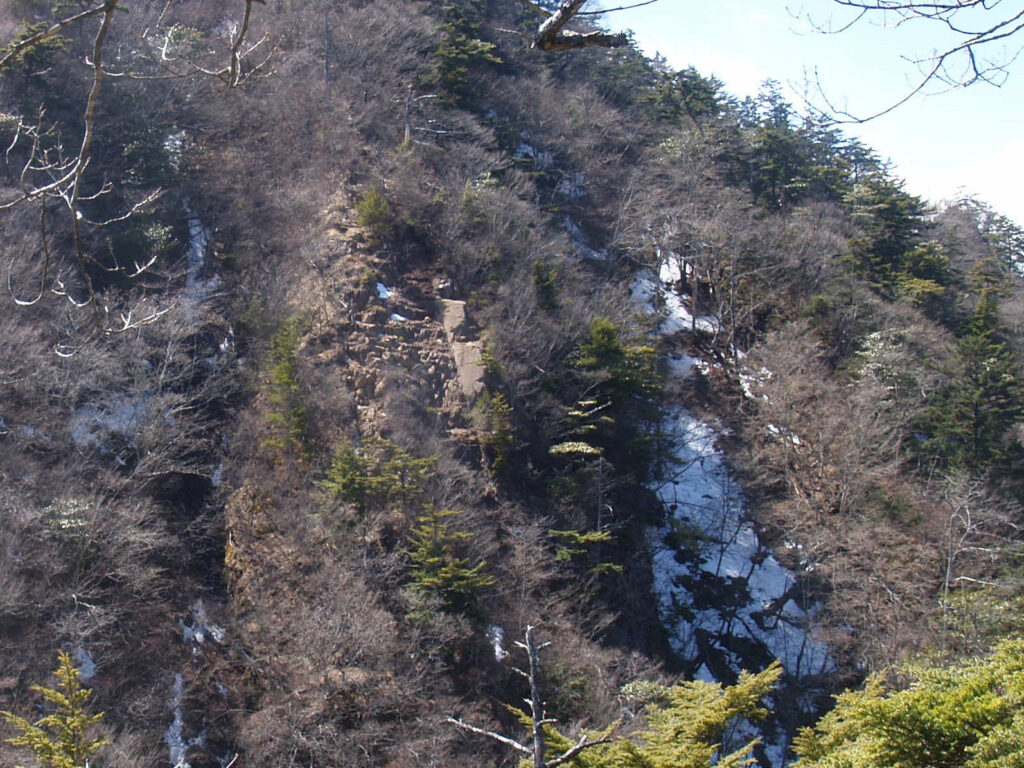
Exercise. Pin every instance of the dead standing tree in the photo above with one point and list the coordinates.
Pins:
(536, 747)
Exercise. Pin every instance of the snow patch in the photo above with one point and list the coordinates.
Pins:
(198, 288)
(734, 587)
(649, 292)
(383, 292)
(751, 380)
(673, 269)
(496, 634)
(174, 146)
(86, 666)
(123, 415)
(571, 185)
(725, 599)
(200, 628)
(541, 160)
(784, 434)
(581, 243)
(681, 366)
(177, 745)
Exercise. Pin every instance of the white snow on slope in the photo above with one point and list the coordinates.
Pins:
(733, 594)
(649, 290)
(177, 745)
(706, 503)
(198, 288)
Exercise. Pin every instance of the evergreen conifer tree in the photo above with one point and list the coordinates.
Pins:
(967, 715)
(685, 723)
(60, 739)
(970, 419)
(437, 571)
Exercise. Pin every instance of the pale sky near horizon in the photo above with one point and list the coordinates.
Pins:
(943, 144)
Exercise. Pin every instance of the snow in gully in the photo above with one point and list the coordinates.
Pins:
(727, 602)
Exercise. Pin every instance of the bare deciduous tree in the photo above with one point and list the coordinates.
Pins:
(981, 535)
(50, 172)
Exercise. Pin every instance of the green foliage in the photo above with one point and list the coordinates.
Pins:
(252, 323)
(779, 151)
(685, 724)
(969, 421)
(143, 147)
(37, 56)
(472, 212)
(378, 476)
(373, 211)
(684, 94)
(60, 739)
(545, 285)
(574, 448)
(461, 50)
(577, 545)
(346, 478)
(1006, 238)
(890, 221)
(629, 377)
(498, 435)
(436, 569)
(924, 277)
(287, 413)
(9, 125)
(583, 421)
(604, 347)
(977, 620)
(790, 160)
(965, 715)
(490, 361)
(622, 398)
(686, 730)
(556, 743)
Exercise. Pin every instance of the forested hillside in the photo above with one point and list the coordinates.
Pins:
(380, 388)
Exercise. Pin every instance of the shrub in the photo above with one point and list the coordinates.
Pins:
(373, 211)
(287, 417)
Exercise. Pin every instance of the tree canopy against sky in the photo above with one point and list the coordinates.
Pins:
(744, 42)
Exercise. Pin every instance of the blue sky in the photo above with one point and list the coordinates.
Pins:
(943, 144)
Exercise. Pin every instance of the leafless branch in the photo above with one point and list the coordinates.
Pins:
(958, 65)
(48, 173)
(619, 8)
(490, 734)
(584, 743)
(134, 209)
(232, 74)
(537, 746)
